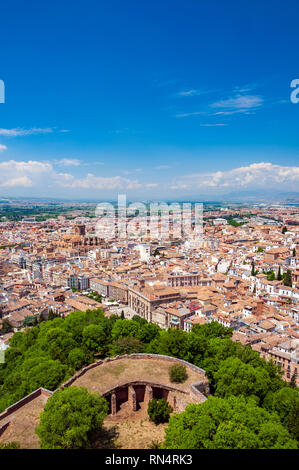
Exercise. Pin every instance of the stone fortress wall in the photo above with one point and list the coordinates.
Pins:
(139, 389)
(142, 390)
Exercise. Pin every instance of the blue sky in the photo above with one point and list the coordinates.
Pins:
(154, 99)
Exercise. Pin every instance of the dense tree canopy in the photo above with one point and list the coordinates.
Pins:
(232, 423)
(285, 402)
(71, 419)
(94, 338)
(49, 353)
(126, 345)
(236, 378)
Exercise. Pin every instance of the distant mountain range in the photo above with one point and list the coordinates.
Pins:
(262, 196)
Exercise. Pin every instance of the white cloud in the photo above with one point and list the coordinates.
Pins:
(230, 113)
(30, 174)
(194, 92)
(213, 125)
(100, 182)
(23, 174)
(188, 93)
(255, 176)
(33, 167)
(68, 162)
(42, 175)
(2, 148)
(240, 102)
(23, 181)
(179, 186)
(16, 132)
(196, 113)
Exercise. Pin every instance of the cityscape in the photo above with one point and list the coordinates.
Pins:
(241, 272)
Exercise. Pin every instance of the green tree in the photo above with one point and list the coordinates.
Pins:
(159, 410)
(94, 338)
(284, 230)
(139, 319)
(279, 276)
(126, 345)
(288, 278)
(29, 321)
(293, 421)
(170, 343)
(147, 332)
(41, 318)
(294, 252)
(236, 378)
(75, 323)
(95, 296)
(293, 381)
(59, 343)
(254, 271)
(122, 328)
(51, 314)
(71, 419)
(77, 358)
(271, 276)
(213, 330)
(195, 347)
(285, 402)
(40, 372)
(232, 423)
(6, 326)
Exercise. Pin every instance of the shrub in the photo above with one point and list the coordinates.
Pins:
(10, 445)
(155, 445)
(159, 410)
(178, 373)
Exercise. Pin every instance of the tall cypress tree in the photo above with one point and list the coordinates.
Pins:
(293, 381)
(288, 278)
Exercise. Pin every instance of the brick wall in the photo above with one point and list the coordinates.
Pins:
(11, 409)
